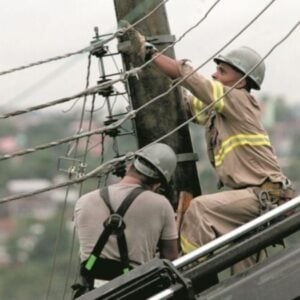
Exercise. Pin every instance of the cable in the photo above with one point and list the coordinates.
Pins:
(58, 236)
(112, 126)
(230, 89)
(105, 168)
(87, 81)
(149, 14)
(45, 80)
(208, 60)
(133, 112)
(56, 246)
(89, 91)
(90, 48)
(183, 35)
(183, 124)
(122, 78)
(109, 165)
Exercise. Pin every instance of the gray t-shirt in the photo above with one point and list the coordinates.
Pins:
(149, 219)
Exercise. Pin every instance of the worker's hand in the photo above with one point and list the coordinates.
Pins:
(150, 49)
(131, 42)
(134, 44)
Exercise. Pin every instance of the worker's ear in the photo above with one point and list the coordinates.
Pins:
(242, 84)
(155, 187)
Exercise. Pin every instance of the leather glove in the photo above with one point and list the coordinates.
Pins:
(133, 43)
(150, 49)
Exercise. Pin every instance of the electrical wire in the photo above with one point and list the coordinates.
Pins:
(208, 107)
(105, 168)
(178, 82)
(88, 91)
(134, 112)
(90, 48)
(123, 77)
(103, 129)
(109, 166)
(74, 147)
(112, 163)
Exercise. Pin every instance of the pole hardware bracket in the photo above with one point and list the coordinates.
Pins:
(184, 157)
(101, 50)
(111, 132)
(72, 166)
(105, 91)
(161, 39)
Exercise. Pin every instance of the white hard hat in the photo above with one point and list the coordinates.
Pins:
(160, 161)
(244, 59)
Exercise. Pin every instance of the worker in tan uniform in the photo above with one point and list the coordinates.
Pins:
(238, 146)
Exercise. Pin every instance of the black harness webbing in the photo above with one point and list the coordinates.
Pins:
(114, 224)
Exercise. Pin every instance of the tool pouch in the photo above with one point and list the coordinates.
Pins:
(272, 194)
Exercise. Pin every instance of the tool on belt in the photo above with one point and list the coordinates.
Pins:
(272, 194)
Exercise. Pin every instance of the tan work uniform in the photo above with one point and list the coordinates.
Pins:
(241, 153)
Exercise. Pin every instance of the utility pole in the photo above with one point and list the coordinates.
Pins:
(165, 114)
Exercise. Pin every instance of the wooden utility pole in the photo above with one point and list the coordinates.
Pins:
(168, 112)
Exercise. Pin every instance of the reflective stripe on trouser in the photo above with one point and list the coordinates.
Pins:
(210, 216)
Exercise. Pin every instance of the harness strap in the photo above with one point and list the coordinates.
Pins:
(114, 224)
(105, 196)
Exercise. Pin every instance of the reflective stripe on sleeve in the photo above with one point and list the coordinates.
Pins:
(218, 92)
(218, 104)
(198, 106)
(240, 140)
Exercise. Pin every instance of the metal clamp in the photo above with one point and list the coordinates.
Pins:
(161, 39)
(184, 157)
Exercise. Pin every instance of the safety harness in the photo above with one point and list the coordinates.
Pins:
(96, 267)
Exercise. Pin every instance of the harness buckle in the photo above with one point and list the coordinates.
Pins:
(286, 184)
(266, 201)
(115, 221)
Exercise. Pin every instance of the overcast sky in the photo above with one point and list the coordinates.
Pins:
(37, 29)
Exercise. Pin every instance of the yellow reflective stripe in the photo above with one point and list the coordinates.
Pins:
(198, 106)
(240, 140)
(218, 92)
(186, 246)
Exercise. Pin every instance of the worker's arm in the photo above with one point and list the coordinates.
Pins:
(166, 65)
(168, 249)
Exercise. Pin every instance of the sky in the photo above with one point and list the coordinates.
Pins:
(34, 30)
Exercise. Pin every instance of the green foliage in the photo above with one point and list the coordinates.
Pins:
(30, 280)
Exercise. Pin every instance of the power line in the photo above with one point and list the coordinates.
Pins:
(89, 91)
(103, 129)
(90, 48)
(208, 107)
(177, 82)
(122, 77)
(184, 34)
(105, 168)
(109, 165)
(58, 236)
(133, 112)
